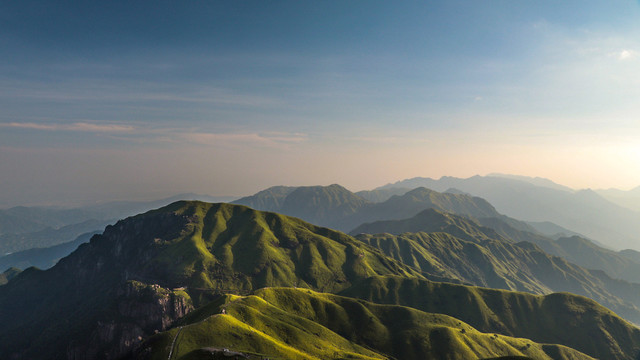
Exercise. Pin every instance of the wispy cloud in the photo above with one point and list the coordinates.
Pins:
(77, 126)
(160, 135)
(626, 54)
(271, 140)
(124, 91)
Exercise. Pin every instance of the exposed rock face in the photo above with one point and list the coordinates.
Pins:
(104, 303)
(142, 310)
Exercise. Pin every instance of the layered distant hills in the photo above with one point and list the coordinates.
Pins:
(459, 248)
(539, 200)
(336, 207)
(347, 210)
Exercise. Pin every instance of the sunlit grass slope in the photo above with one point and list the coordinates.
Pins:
(561, 318)
(289, 323)
(232, 247)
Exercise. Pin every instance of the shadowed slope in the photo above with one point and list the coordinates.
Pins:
(323, 205)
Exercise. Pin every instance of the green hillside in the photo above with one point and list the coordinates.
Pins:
(481, 256)
(505, 265)
(562, 318)
(291, 323)
(148, 271)
(432, 220)
(223, 246)
(198, 248)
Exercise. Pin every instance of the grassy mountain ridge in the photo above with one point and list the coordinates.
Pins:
(510, 266)
(558, 318)
(432, 220)
(301, 324)
(145, 272)
(505, 265)
(199, 247)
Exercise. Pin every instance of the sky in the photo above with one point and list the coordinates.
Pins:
(121, 100)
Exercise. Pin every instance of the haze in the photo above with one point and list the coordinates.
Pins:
(121, 100)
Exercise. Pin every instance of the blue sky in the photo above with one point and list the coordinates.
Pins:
(119, 100)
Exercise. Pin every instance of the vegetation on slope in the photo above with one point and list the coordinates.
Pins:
(561, 318)
(432, 220)
(505, 265)
(300, 324)
(195, 247)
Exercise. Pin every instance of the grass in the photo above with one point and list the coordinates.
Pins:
(302, 324)
(561, 318)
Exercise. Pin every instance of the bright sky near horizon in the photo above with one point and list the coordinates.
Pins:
(137, 100)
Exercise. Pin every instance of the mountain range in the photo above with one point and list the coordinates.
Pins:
(578, 250)
(423, 274)
(629, 199)
(584, 211)
(174, 270)
(335, 206)
(458, 248)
